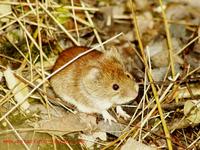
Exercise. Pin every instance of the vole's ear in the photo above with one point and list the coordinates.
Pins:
(113, 53)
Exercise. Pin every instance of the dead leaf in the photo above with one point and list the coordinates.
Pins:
(191, 116)
(90, 139)
(192, 112)
(133, 144)
(68, 123)
(158, 74)
(5, 9)
(141, 4)
(184, 93)
(161, 59)
(177, 12)
(114, 129)
(19, 89)
(145, 22)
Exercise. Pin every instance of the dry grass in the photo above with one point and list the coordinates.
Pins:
(33, 58)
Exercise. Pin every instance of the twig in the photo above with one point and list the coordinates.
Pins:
(92, 24)
(192, 41)
(75, 22)
(29, 35)
(17, 134)
(58, 23)
(167, 134)
(52, 6)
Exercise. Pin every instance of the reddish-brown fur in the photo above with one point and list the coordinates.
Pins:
(88, 81)
(70, 53)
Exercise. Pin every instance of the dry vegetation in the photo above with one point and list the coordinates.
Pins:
(159, 42)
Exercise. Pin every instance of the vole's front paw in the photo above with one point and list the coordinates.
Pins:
(122, 113)
(108, 117)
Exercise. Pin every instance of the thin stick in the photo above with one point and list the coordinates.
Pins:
(52, 6)
(17, 134)
(92, 24)
(169, 41)
(195, 141)
(29, 50)
(30, 56)
(29, 4)
(80, 20)
(10, 58)
(12, 22)
(128, 17)
(192, 41)
(75, 22)
(39, 21)
(29, 35)
(58, 23)
(167, 134)
(7, 14)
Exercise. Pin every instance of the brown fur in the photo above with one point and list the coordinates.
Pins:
(88, 81)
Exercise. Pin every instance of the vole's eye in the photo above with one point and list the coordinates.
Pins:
(115, 87)
(128, 75)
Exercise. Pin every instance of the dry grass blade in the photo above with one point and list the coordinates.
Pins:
(12, 22)
(58, 23)
(169, 41)
(75, 23)
(17, 134)
(167, 134)
(29, 35)
(92, 24)
(52, 6)
(192, 41)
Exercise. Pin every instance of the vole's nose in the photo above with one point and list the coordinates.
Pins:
(137, 88)
(135, 91)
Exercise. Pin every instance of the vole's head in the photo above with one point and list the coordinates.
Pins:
(107, 80)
